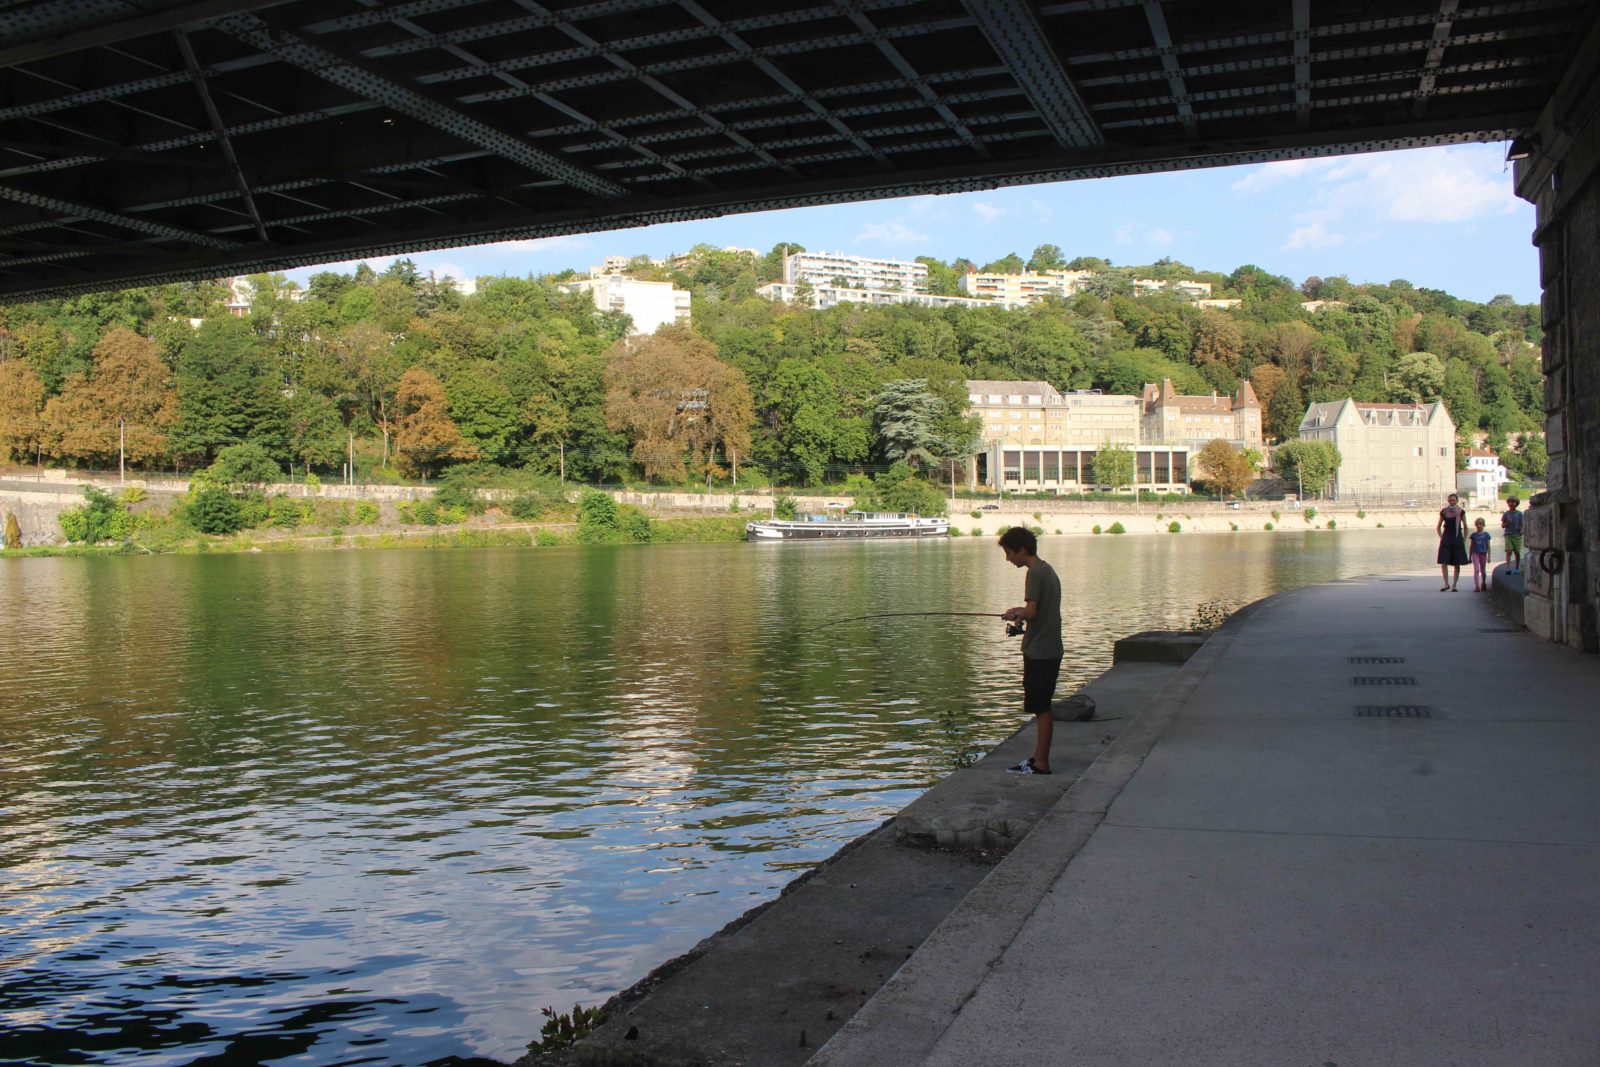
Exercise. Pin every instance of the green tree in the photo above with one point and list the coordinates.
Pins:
(13, 531)
(1046, 258)
(226, 393)
(1312, 463)
(1113, 466)
(246, 466)
(898, 489)
(598, 518)
(905, 419)
(1418, 378)
(1535, 460)
(316, 435)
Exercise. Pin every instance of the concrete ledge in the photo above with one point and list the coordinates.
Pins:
(1507, 592)
(1160, 646)
(983, 807)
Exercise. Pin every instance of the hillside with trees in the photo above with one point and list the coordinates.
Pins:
(413, 377)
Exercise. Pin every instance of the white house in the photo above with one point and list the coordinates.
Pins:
(1477, 487)
(1481, 459)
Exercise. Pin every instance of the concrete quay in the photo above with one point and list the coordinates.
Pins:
(776, 983)
(1360, 827)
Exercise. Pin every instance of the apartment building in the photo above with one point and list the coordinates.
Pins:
(1388, 451)
(1029, 287)
(854, 272)
(1168, 417)
(1183, 287)
(650, 305)
(1036, 438)
(827, 296)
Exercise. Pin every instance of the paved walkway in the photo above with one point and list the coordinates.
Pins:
(1257, 873)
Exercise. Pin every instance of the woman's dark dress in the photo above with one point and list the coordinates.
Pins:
(1452, 550)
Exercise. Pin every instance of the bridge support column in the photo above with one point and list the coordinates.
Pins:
(1562, 179)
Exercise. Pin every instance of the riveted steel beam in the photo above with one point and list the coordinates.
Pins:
(128, 222)
(1169, 63)
(1430, 66)
(1017, 38)
(55, 29)
(886, 47)
(1302, 62)
(368, 84)
(221, 130)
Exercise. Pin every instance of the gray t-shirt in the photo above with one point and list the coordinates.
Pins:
(1043, 637)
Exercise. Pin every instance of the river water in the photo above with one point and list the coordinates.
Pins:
(381, 807)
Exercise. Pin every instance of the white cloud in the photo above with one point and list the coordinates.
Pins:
(1041, 210)
(1139, 233)
(1313, 235)
(987, 212)
(1276, 173)
(536, 245)
(1159, 236)
(891, 233)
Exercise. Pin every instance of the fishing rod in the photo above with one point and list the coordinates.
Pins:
(902, 615)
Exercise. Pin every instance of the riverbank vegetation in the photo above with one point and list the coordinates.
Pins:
(401, 377)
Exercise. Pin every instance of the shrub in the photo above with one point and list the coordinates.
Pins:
(1332, 525)
(13, 531)
(366, 513)
(1310, 513)
(783, 507)
(1360, 513)
(1096, 528)
(733, 507)
(452, 495)
(1275, 516)
(1038, 516)
(977, 531)
(132, 494)
(1058, 531)
(955, 531)
(1380, 525)
(1116, 528)
(1174, 527)
(561, 1032)
(100, 518)
(215, 511)
(1268, 526)
(635, 525)
(977, 514)
(598, 517)
(1233, 526)
(281, 511)
(1037, 530)
(529, 506)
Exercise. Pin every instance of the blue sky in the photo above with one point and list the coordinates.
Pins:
(1444, 218)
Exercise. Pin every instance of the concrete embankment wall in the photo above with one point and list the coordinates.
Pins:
(37, 513)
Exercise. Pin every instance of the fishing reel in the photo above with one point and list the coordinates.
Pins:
(1014, 629)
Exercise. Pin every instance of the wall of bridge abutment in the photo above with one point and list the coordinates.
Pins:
(1562, 179)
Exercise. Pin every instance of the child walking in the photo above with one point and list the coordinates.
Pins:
(1480, 557)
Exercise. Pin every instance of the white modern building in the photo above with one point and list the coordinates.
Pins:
(650, 305)
(1481, 459)
(1029, 287)
(854, 272)
(1387, 451)
(827, 296)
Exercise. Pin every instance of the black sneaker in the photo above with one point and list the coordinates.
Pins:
(1026, 767)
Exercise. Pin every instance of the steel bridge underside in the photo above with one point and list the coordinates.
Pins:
(145, 141)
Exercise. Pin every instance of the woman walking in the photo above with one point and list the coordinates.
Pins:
(1452, 551)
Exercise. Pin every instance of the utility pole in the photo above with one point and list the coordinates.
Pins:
(563, 446)
(122, 451)
(352, 474)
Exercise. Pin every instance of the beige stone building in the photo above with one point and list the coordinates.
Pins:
(1169, 417)
(1036, 438)
(1388, 452)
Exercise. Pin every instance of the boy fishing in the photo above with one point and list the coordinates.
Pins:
(1041, 641)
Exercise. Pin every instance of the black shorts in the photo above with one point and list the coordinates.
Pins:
(1039, 684)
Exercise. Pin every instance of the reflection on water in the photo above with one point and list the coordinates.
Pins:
(381, 807)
